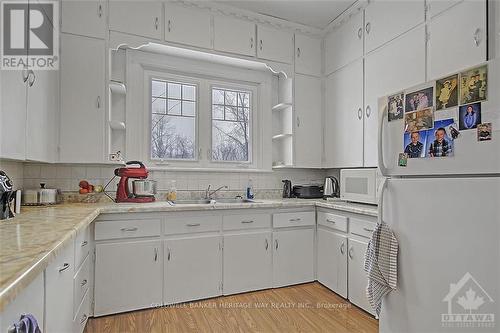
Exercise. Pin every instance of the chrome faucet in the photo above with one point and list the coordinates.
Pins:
(208, 193)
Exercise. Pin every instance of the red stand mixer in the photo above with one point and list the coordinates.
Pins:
(142, 190)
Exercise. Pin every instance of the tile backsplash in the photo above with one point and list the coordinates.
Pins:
(15, 171)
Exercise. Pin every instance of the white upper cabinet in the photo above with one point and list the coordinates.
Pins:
(41, 119)
(87, 18)
(81, 138)
(387, 72)
(142, 18)
(234, 36)
(457, 38)
(435, 7)
(385, 20)
(344, 117)
(307, 55)
(274, 44)
(308, 121)
(344, 44)
(188, 26)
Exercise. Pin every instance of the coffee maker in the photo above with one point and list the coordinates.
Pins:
(6, 196)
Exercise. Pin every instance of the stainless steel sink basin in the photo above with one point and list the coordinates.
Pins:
(208, 201)
(193, 202)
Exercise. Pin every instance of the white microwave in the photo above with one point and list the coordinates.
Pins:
(359, 185)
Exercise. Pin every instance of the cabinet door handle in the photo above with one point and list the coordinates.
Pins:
(368, 229)
(168, 254)
(169, 26)
(261, 44)
(342, 248)
(360, 113)
(156, 23)
(25, 73)
(298, 52)
(156, 254)
(84, 243)
(295, 220)
(298, 121)
(193, 224)
(360, 33)
(84, 282)
(247, 222)
(99, 10)
(351, 250)
(84, 318)
(276, 245)
(64, 267)
(251, 42)
(267, 244)
(129, 229)
(368, 111)
(32, 77)
(98, 102)
(368, 27)
(331, 221)
(477, 37)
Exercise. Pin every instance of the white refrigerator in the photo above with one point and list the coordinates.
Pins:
(445, 213)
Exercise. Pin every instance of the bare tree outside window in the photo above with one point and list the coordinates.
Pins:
(230, 125)
(173, 120)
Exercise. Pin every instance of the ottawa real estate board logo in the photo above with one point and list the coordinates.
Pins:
(469, 305)
(30, 35)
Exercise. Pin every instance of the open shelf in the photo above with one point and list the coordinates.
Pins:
(281, 106)
(117, 125)
(117, 88)
(281, 136)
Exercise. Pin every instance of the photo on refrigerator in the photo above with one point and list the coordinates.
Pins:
(439, 139)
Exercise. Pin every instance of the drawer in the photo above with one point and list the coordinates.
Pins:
(81, 283)
(246, 221)
(362, 227)
(334, 221)
(188, 224)
(82, 246)
(127, 229)
(82, 315)
(298, 219)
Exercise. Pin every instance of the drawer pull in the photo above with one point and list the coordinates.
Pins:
(129, 229)
(64, 267)
(250, 221)
(84, 282)
(331, 221)
(84, 318)
(193, 224)
(351, 250)
(276, 244)
(295, 220)
(368, 229)
(84, 243)
(267, 244)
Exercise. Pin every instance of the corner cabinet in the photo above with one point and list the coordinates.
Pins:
(307, 55)
(332, 261)
(82, 115)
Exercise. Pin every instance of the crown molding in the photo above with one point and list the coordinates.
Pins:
(355, 8)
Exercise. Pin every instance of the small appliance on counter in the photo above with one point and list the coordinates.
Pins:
(287, 188)
(331, 188)
(359, 185)
(143, 190)
(307, 191)
(41, 196)
(7, 195)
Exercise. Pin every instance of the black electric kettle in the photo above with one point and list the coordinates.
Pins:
(287, 188)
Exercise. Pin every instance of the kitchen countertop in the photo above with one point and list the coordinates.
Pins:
(30, 241)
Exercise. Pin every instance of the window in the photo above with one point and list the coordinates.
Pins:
(230, 125)
(173, 120)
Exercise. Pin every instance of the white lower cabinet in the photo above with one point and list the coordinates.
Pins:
(59, 292)
(332, 261)
(128, 276)
(293, 256)
(247, 262)
(193, 268)
(357, 275)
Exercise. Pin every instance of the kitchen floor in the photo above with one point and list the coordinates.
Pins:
(302, 308)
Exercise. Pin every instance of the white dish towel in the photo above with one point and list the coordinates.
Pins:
(381, 265)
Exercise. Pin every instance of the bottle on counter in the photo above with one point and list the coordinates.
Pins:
(172, 192)
(250, 193)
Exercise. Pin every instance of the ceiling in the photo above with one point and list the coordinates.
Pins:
(314, 13)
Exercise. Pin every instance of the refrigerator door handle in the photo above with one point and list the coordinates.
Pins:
(381, 165)
(380, 194)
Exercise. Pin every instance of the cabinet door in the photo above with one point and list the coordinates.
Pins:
(357, 275)
(457, 38)
(344, 44)
(293, 257)
(193, 269)
(188, 26)
(87, 18)
(274, 44)
(435, 7)
(344, 117)
(308, 124)
(13, 115)
(142, 18)
(307, 55)
(332, 261)
(82, 99)
(385, 20)
(59, 292)
(247, 262)
(234, 36)
(128, 276)
(386, 72)
(41, 124)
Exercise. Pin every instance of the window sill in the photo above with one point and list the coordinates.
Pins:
(198, 169)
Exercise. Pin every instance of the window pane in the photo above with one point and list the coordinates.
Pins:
(158, 105)
(174, 90)
(230, 141)
(158, 88)
(230, 98)
(188, 108)
(188, 92)
(243, 114)
(172, 137)
(244, 99)
(217, 96)
(174, 107)
(218, 112)
(231, 113)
